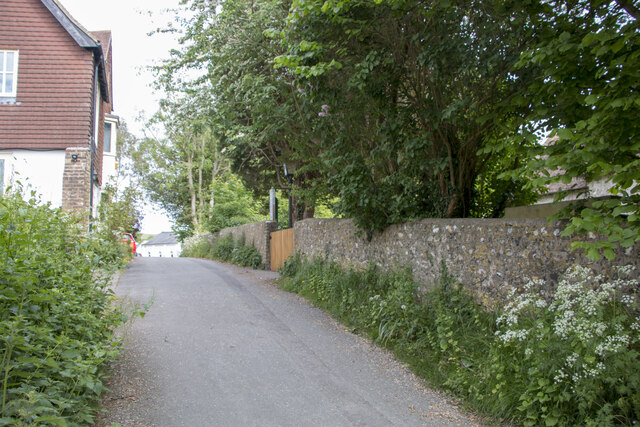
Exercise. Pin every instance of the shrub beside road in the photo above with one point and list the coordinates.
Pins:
(56, 314)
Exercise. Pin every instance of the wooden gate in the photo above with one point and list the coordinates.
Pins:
(281, 247)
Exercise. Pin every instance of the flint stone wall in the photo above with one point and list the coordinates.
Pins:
(257, 234)
(488, 256)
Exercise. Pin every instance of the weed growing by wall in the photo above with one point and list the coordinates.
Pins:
(570, 358)
(56, 317)
(225, 249)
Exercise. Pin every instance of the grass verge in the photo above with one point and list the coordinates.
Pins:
(225, 249)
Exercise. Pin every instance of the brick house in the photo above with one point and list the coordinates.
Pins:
(55, 91)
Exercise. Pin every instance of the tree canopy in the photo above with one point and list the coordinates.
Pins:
(587, 92)
(402, 109)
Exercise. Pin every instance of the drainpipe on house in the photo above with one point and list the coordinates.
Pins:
(94, 130)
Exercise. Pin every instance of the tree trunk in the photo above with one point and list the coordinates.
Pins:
(309, 211)
(192, 191)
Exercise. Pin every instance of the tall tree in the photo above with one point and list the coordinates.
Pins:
(259, 114)
(412, 91)
(178, 169)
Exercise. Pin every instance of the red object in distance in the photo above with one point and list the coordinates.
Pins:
(128, 238)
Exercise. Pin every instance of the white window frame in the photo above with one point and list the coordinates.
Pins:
(113, 136)
(4, 72)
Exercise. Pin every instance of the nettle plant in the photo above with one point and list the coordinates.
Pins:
(57, 317)
(572, 357)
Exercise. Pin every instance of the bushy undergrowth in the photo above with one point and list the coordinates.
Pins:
(570, 358)
(56, 318)
(225, 249)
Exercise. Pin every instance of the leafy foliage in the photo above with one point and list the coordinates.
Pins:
(411, 109)
(406, 109)
(120, 212)
(56, 321)
(257, 113)
(232, 205)
(177, 169)
(586, 90)
(224, 248)
(570, 358)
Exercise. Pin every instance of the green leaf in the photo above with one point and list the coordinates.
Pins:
(593, 254)
(591, 99)
(609, 254)
(550, 421)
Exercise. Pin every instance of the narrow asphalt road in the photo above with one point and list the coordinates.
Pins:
(223, 346)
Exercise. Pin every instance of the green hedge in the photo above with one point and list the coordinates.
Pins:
(56, 317)
(225, 249)
(571, 358)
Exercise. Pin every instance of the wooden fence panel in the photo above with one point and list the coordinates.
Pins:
(281, 247)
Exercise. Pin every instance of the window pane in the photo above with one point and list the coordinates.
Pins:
(1, 62)
(107, 137)
(9, 83)
(2, 83)
(10, 56)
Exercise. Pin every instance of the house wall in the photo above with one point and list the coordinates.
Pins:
(55, 81)
(166, 251)
(41, 171)
(108, 169)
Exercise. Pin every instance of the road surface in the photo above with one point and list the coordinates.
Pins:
(223, 346)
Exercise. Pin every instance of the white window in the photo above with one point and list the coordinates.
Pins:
(8, 73)
(107, 137)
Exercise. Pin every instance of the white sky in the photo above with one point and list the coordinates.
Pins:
(130, 21)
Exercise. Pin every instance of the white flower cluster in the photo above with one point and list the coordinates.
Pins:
(578, 314)
(567, 325)
(628, 300)
(518, 305)
(572, 359)
(588, 372)
(561, 375)
(580, 297)
(625, 269)
(613, 344)
(509, 336)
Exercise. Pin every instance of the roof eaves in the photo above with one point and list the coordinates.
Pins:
(73, 27)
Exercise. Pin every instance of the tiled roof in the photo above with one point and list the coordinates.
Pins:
(104, 38)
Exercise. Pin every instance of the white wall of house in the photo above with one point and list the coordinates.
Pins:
(159, 250)
(41, 171)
